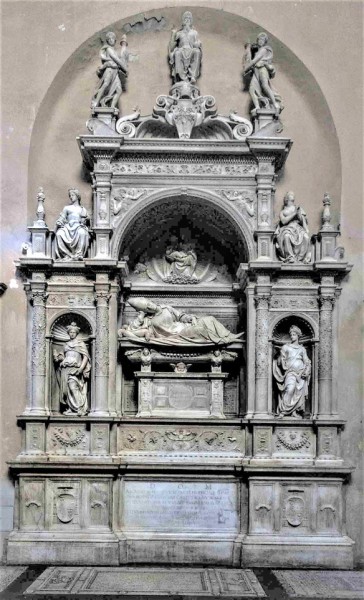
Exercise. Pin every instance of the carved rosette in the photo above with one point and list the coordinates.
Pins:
(102, 334)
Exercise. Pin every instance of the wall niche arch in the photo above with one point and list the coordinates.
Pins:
(65, 384)
(218, 235)
(280, 336)
(217, 240)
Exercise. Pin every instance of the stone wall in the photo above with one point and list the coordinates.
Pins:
(48, 84)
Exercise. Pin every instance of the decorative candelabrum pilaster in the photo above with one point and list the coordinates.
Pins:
(265, 193)
(261, 355)
(325, 356)
(101, 406)
(101, 206)
(38, 352)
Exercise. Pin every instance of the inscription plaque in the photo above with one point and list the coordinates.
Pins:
(180, 506)
(175, 395)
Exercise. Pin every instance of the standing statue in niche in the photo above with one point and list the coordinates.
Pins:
(291, 236)
(72, 234)
(292, 371)
(185, 51)
(113, 66)
(74, 366)
(258, 59)
(164, 325)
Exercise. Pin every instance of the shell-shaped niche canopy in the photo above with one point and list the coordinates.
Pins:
(183, 241)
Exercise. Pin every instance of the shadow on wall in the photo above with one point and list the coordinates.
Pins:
(314, 165)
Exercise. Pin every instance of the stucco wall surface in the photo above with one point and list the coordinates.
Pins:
(49, 58)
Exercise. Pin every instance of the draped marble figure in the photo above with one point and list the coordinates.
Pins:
(164, 325)
(258, 61)
(291, 236)
(109, 89)
(185, 51)
(72, 235)
(73, 372)
(292, 371)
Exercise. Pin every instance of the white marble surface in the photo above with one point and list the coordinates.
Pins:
(180, 506)
(326, 585)
(8, 575)
(90, 581)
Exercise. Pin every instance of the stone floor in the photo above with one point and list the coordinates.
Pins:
(56, 583)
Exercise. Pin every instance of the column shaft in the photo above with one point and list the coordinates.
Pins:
(102, 354)
(261, 355)
(38, 353)
(325, 356)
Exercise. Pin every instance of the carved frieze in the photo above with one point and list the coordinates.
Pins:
(67, 439)
(224, 169)
(305, 303)
(297, 441)
(180, 440)
(295, 281)
(63, 278)
(74, 300)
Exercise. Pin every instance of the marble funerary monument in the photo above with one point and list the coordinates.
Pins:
(181, 342)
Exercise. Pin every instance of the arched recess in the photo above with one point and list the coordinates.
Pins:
(280, 336)
(202, 209)
(314, 164)
(57, 339)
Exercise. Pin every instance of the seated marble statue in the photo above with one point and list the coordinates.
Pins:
(292, 371)
(164, 325)
(291, 236)
(185, 51)
(182, 260)
(72, 235)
